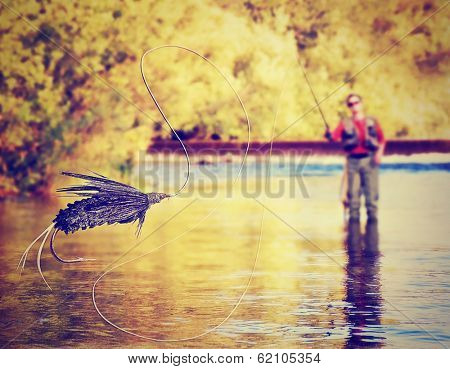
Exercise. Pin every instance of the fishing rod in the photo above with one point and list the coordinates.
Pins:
(327, 126)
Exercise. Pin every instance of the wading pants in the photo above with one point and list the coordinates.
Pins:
(362, 177)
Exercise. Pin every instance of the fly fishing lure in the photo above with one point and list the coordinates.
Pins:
(105, 202)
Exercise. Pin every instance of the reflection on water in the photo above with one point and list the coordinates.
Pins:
(317, 285)
(362, 287)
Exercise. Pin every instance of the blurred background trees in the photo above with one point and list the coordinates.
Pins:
(72, 94)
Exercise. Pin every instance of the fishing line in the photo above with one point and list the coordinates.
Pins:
(124, 330)
(161, 111)
(110, 202)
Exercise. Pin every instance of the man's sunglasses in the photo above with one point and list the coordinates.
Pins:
(350, 104)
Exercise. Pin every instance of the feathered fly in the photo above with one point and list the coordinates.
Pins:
(105, 202)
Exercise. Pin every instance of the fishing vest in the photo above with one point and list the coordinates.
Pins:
(350, 137)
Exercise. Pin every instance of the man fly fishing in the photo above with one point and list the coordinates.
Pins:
(363, 140)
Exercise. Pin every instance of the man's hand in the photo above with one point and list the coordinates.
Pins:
(327, 135)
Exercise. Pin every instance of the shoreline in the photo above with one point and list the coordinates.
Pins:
(420, 152)
(319, 147)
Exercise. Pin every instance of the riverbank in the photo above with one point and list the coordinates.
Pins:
(399, 147)
(410, 152)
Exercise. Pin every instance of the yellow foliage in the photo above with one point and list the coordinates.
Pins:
(92, 104)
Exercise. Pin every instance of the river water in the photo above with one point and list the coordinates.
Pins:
(317, 282)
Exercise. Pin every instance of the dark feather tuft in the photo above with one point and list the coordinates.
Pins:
(106, 202)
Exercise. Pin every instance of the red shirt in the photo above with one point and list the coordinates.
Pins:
(360, 125)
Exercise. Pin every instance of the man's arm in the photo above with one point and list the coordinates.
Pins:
(336, 134)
